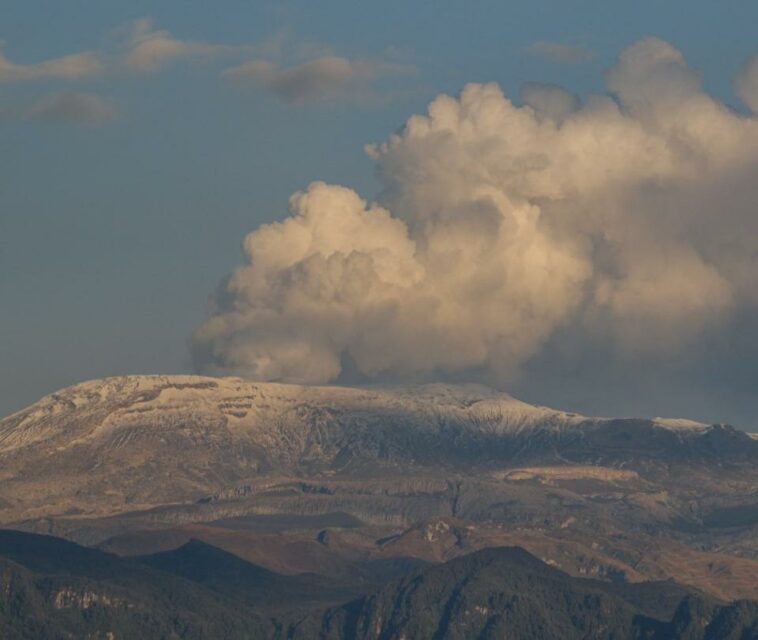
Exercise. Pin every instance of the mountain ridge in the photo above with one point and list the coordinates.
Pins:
(176, 439)
(236, 402)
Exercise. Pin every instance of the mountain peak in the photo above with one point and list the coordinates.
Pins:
(148, 440)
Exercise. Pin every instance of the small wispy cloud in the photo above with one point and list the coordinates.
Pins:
(136, 47)
(70, 67)
(293, 71)
(72, 107)
(147, 49)
(324, 78)
(557, 52)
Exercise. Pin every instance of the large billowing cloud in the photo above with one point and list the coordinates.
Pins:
(631, 219)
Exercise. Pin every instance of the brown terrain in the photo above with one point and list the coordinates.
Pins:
(357, 483)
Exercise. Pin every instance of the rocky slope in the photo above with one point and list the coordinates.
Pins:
(304, 478)
(135, 442)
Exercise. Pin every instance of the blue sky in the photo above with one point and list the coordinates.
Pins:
(113, 233)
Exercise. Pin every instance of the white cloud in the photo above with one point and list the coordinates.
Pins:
(563, 53)
(550, 101)
(631, 219)
(324, 78)
(341, 257)
(72, 107)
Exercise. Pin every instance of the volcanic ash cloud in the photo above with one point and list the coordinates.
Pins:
(630, 218)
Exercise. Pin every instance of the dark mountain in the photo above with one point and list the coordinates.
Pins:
(507, 593)
(231, 576)
(51, 589)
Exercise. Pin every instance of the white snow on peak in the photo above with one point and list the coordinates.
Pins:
(98, 407)
(679, 423)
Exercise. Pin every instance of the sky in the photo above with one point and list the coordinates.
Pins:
(582, 233)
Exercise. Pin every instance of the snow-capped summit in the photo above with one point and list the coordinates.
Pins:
(147, 440)
(91, 410)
